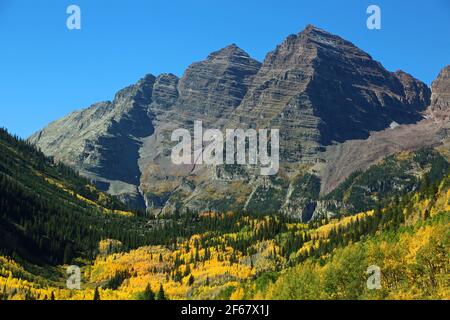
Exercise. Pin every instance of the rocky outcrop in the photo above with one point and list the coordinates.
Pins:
(165, 92)
(440, 99)
(416, 93)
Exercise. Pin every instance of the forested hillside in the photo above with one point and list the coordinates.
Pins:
(50, 215)
(394, 215)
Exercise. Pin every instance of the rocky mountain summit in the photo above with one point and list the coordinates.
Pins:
(337, 109)
(440, 99)
(216, 86)
(320, 89)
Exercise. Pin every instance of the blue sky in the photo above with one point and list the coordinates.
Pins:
(47, 71)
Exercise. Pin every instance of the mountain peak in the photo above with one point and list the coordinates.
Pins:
(312, 39)
(218, 83)
(228, 52)
(312, 31)
(323, 37)
(143, 88)
(440, 98)
(312, 28)
(146, 80)
(444, 74)
(232, 46)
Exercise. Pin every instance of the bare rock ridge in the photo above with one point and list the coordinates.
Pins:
(330, 100)
(103, 140)
(440, 99)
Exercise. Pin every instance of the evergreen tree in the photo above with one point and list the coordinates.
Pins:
(67, 254)
(148, 294)
(187, 271)
(96, 294)
(161, 295)
(191, 280)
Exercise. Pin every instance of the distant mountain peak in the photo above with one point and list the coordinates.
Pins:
(324, 38)
(440, 98)
(313, 39)
(444, 75)
(310, 28)
(148, 78)
(142, 88)
(229, 51)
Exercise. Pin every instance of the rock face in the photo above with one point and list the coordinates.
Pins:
(417, 94)
(165, 92)
(324, 94)
(216, 86)
(358, 155)
(103, 141)
(322, 89)
(124, 145)
(440, 99)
